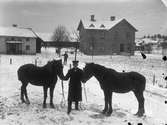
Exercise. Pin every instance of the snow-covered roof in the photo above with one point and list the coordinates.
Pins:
(145, 41)
(45, 36)
(16, 31)
(101, 24)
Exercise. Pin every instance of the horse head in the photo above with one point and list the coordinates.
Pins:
(88, 72)
(58, 67)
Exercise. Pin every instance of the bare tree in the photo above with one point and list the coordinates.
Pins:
(77, 39)
(76, 35)
(60, 35)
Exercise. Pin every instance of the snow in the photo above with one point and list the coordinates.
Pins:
(13, 112)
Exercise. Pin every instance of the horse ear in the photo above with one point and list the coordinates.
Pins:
(49, 61)
(86, 63)
(59, 61)
(92, 63)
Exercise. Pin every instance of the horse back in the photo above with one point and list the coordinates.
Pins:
(124, 82)
(138, 79)
(34, 74)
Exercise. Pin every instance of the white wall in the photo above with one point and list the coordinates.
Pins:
(31, 43)
(2, 45)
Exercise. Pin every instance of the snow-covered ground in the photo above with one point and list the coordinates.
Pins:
(13, 112)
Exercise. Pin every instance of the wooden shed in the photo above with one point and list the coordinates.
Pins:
(15, 40)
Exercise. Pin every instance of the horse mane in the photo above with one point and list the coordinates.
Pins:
(103, 68)
(49, 65)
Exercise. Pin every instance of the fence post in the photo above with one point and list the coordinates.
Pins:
(154, 79)
(10, 60)
(36, 62)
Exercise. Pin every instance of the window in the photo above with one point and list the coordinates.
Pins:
(12, 39)
(102, 26)
(102, 34)
(115, 35)
(27, 39)
(91, 25)
(121, 47)
(8, 39)
(101, 49)
(127, 35)
(129, 47)
(27, 47)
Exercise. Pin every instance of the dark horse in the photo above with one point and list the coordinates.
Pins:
(113, 81)
(45, 76)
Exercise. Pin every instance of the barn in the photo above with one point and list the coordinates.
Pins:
(16, 40)
(106, 37)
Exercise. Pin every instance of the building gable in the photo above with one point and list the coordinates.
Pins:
(125, 22)
(80, 25)
(103, 25)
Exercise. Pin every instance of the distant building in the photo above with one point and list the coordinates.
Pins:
(106, 37)
(49, 42)
(15, 40)
(149, 45)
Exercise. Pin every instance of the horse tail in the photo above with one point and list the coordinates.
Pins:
(143, 83)
(140, 81)
(19, 74)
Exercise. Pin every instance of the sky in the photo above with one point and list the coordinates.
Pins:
(79, 1)
(148, 16)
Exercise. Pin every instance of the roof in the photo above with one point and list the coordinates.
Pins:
(102, 25)
(16, 31)
(45, 36)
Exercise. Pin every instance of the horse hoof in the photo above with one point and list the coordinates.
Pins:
(139, 114)
(27, 102)
(52, 106)
(23, 101)
(103, 112)
(44, 106)
(108, 114)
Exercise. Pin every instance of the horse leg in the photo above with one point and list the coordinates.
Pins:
(110, 110)
(106, 102)
(51, 96)
(69, 107)
(22, 93)
(26, 96)
(140, 99)
(45, 89)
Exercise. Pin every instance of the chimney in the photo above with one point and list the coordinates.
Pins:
(92, 18)
(112, 18)
(14, 25)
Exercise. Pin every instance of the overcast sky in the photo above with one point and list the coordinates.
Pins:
(80, 1)
(148, 16)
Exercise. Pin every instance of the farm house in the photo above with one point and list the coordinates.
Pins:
(106, 37)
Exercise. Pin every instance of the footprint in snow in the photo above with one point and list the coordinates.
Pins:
(97, 116)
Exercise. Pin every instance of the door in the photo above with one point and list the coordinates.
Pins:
(14, 48)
